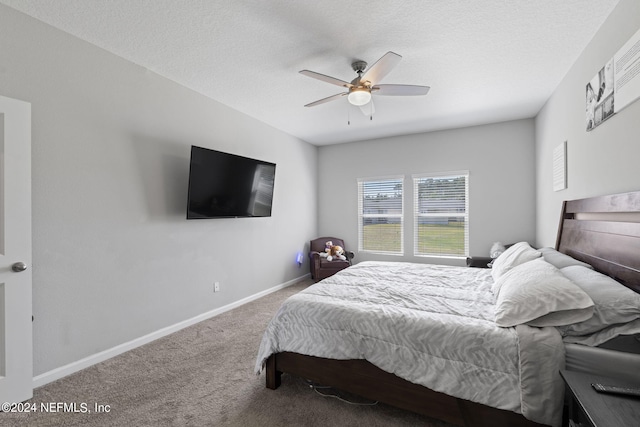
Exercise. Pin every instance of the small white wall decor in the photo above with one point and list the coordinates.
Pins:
(560, 167)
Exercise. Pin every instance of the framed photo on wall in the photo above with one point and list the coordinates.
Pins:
(600, 96)
(615, 86)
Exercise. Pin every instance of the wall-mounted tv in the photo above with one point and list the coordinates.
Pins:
(223, 185)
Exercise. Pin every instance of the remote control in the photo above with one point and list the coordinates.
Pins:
(628, 391)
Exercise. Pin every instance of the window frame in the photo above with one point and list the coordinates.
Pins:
(416, 179)
(362, 215)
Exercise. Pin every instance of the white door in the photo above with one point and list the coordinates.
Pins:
(16, 358)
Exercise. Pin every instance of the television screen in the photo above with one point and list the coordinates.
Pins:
(223, 185)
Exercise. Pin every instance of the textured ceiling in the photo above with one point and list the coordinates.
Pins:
(485, 60)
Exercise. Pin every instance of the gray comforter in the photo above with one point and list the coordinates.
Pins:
(429, 324)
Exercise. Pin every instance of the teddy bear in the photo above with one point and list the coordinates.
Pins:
(332, 251)
(496, 250)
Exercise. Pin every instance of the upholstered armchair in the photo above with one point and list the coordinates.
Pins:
(320, 266)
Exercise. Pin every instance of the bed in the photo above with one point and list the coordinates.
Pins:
(418, 358)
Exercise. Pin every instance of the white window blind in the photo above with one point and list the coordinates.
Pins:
(380, 215)
(441, 214)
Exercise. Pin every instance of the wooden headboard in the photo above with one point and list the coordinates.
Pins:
(604, 232)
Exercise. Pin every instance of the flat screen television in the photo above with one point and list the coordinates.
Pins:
(223, 185)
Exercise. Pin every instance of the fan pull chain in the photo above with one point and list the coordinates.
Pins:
(348, 115)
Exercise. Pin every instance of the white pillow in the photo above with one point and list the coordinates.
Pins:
(614, 303)
(517, 254)
(538, 294)
(560, 260)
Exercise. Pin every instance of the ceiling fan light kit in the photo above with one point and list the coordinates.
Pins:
(361, 88)
(359, 96)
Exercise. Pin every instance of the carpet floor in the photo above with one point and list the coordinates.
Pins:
(201, 376)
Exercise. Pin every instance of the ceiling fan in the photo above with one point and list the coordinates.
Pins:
(362, 87)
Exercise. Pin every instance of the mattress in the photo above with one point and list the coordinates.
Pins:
(617, 358)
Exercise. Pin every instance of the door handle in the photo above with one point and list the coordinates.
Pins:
(19, 266)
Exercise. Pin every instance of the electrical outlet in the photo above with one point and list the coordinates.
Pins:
(216, 287)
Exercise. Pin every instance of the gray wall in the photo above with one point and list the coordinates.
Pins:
(500, 161)
(603, 161)
(114, 258)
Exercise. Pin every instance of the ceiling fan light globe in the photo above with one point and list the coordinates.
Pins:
(359, 97)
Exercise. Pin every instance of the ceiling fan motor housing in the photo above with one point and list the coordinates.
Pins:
(359, 66)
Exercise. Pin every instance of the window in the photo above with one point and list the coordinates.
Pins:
(380, 216)
(441, 214)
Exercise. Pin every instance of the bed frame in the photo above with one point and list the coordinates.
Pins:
(602, 231)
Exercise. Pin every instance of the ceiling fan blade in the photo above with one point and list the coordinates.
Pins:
(327, 79)
(381, 68)
(400, 90)
(327, 99)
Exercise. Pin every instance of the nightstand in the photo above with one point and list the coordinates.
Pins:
(588, 408)
(478, 261)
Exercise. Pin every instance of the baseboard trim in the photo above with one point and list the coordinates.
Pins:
(63, 371)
